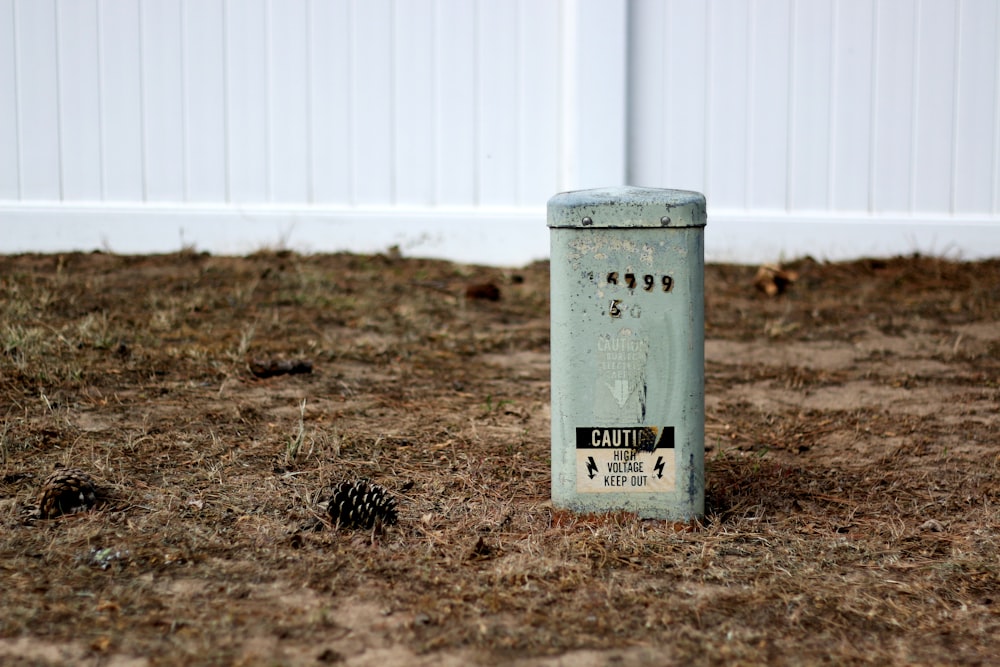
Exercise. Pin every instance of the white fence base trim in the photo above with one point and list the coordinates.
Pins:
(770, 236)
(494, 236)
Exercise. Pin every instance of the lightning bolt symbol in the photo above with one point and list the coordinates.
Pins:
(659, 467)
(591, 467)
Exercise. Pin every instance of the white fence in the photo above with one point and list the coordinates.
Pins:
(798, 118)
(444, 125)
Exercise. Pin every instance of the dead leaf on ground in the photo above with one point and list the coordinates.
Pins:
(772, 280)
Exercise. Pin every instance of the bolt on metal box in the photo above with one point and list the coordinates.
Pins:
(628, 351)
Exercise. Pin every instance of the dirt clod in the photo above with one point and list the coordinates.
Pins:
(266, 368)
(484, 291)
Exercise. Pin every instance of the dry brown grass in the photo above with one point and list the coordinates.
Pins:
(839, 530)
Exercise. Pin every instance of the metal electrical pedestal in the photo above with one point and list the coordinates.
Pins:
(628, 352)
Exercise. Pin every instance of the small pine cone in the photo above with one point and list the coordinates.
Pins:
(66, 491)
(362, 504)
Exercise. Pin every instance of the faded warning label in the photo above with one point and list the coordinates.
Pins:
(634, 459)
(621, 370)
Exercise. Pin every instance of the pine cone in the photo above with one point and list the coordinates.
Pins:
(66, 491)
(362, 504)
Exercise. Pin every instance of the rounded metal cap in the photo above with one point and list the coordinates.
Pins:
(627, 206)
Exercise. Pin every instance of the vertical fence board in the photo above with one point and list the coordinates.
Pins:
(850, 176)
(995, 172)
(163, 100)
(811, 107)
(498, 93)
(687, 73)
(205, 118)
(649, 115)
(289, 75)
(729, 79)
(597, 106)
(414, 94)
(934, 128)
(79, 101)
(974, 171)
(455, 176)
(372, 102)
(371, 95)
(9, 140)
(37, 94)
(121, 106)
(538, 113)
(767, 159)
(894, 108)
(248, 112)
(331, 118)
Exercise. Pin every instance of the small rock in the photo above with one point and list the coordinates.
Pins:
(932, 525)
(483, 291)
(330, 656)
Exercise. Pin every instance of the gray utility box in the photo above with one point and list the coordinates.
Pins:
(628, 351)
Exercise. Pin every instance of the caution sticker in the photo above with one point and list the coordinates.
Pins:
(625, 459)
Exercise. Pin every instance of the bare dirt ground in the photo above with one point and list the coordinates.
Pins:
(853, 470)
